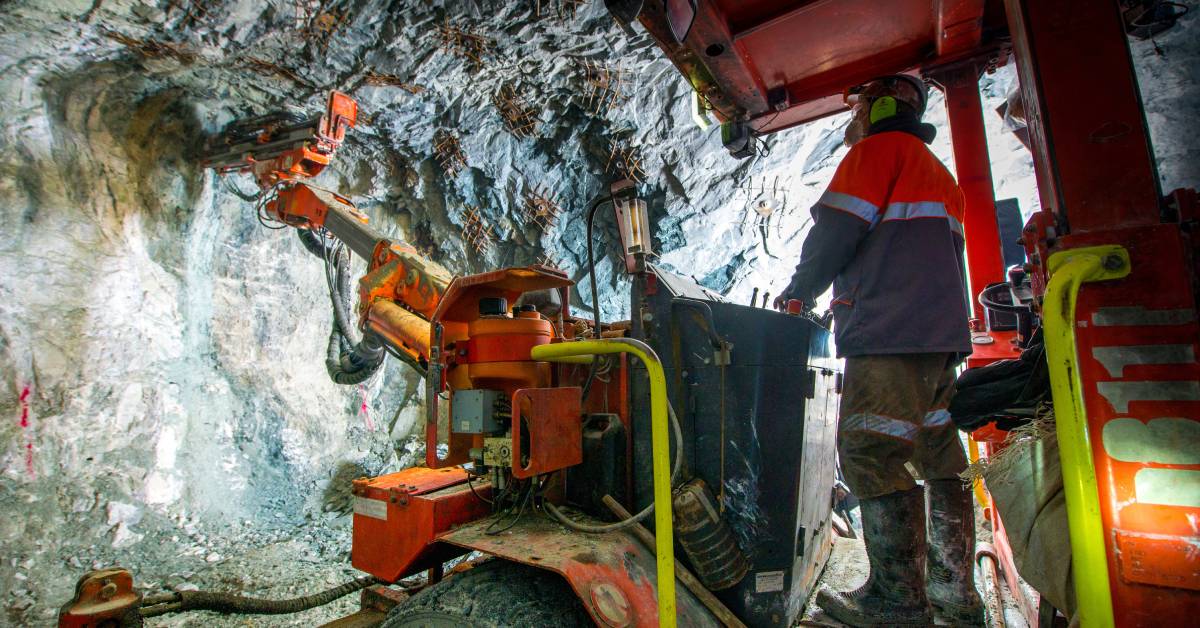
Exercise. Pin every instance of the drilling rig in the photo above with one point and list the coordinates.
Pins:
(576, 455)
(545, 430)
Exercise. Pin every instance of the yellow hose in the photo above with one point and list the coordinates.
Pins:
(664, 531)
(977, 483)
(1068, 271)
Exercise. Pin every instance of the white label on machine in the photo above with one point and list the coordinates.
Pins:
(372, 508)
(768, 581)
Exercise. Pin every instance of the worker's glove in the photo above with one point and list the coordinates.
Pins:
(789, 293)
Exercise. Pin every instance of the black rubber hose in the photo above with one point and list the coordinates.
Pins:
(593, 207)
(349, 359)
(237, 604)
(314, 243)
(338, 258)
(356, 365)
(340, 297)
(713, 337)
(591, 219)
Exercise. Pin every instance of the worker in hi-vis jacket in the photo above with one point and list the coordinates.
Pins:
(888, 235)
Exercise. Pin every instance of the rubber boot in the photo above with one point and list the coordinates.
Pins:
(894, 594)
(950, 583)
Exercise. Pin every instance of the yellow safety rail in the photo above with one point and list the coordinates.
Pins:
(1068, 271)
(660, 450)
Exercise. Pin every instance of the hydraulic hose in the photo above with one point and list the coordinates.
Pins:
(178, 602)
(660, 452)
(340, 296)
(591, 220)
(645, 512)
(349, 358)
(314, 243)
(338, 264)
(593, 207)
(356, 365)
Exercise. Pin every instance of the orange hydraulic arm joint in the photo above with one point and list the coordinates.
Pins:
(398, 274)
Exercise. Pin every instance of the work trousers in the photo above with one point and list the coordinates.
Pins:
(893, 414)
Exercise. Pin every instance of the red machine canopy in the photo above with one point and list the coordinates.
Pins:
(778, 63)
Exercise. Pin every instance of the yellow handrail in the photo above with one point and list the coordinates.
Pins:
(1068, 271)
(664, 531)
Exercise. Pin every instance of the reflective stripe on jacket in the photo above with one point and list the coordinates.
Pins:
(888, 234)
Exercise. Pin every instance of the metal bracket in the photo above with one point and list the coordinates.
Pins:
(721, 356)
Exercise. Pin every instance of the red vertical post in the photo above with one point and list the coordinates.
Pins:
(985, 264)
(1091, 148)
(1136, 337)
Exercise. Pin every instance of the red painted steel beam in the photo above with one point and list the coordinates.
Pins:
(1091, 149)
(959, 25)
(743, 83)
(985, 264)
(754, 24)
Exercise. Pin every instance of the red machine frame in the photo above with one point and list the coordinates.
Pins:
(769, 65)
(773, 65)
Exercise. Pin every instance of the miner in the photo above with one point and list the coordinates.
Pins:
(888, 235)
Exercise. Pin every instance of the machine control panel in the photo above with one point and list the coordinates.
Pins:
(474, 411)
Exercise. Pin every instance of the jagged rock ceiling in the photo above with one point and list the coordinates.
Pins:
(162, 352)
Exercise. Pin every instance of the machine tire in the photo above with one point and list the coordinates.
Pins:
(495, 594)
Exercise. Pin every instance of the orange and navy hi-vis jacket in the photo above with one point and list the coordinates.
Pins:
(888, 234)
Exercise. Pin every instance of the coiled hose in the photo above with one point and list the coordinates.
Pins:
(357, 364)
(645, 512)
(349, 359)
(180, 601)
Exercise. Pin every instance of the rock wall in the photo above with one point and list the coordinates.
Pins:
(162, 389)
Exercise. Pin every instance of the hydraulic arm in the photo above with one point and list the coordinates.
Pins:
(401, 288)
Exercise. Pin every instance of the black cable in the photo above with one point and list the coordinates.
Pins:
(419, 365)
(591, 219)
(524, 500)
(350, 358)
(498, 500)
(337, 277)
(477, 495)
(263, 220)
(339, 293)
(313, 241)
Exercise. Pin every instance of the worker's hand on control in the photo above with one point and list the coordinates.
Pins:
(791, 292)
(781, 301)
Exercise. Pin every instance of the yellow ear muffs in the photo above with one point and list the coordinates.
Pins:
(883, 107)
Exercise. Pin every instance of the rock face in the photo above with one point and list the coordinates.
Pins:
(161, 354)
